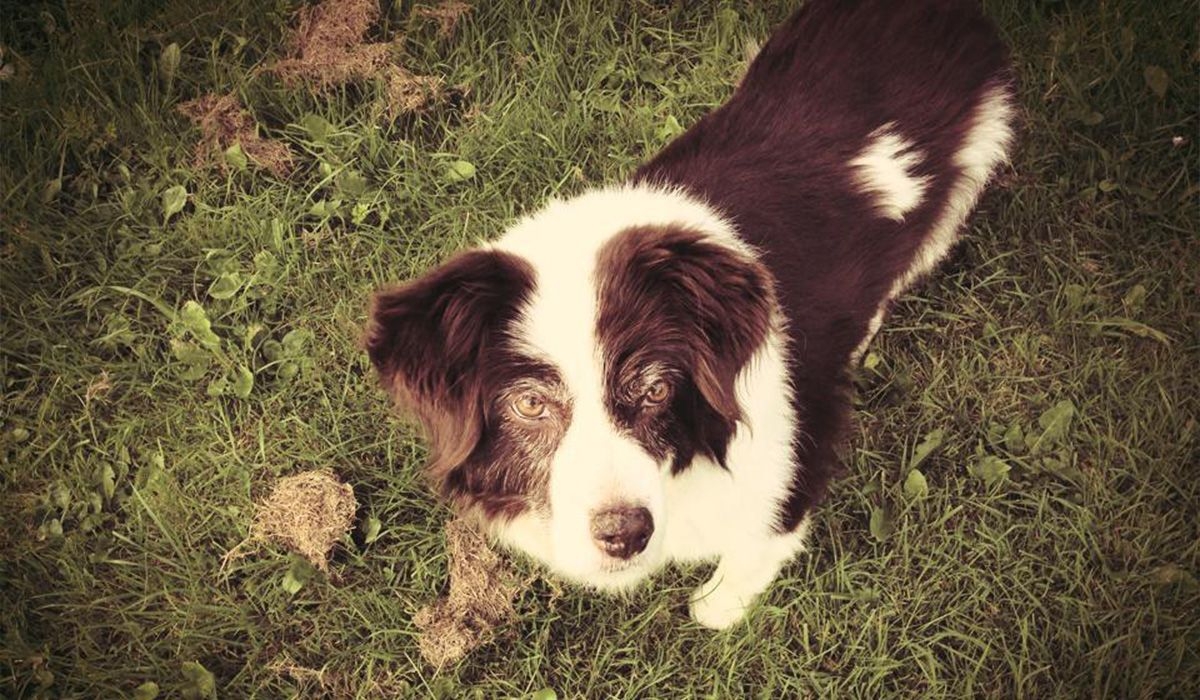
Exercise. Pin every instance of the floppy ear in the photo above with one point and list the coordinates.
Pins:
(726, 296)
(429, 340)
(711, 305)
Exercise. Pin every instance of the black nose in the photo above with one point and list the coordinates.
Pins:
(622, 531)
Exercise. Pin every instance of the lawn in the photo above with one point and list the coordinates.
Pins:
(179, 328)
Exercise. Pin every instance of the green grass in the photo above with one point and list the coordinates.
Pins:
(123, 482)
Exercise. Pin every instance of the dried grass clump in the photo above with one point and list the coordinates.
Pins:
(328, 49)
(447, 14)
(327, 46)
(480, 598)
(409, 92)
(223, 121)
(307, 513)
(312, 681)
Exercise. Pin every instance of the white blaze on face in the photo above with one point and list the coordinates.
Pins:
(595, 466)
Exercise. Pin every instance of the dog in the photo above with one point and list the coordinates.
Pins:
(658, 371)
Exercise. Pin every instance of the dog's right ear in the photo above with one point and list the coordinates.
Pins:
(430, 339)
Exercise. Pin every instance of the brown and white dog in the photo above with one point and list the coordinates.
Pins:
(657, 371)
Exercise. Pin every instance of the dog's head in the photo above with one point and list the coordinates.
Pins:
(563, 380)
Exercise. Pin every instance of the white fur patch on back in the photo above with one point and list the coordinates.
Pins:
(884, 171)
(984, 147)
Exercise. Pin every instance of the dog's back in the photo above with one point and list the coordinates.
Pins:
(850, 155)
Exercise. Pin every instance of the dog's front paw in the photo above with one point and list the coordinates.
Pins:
(718, 607)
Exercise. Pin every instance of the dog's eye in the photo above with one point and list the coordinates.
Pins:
(657, 393)
(529, 405)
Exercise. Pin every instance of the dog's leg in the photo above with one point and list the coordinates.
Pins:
(742, 574)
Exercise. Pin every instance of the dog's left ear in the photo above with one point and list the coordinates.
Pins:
(719, 296)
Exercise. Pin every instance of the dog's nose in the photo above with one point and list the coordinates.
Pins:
(622, 531)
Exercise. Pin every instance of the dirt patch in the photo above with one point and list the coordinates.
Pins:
(307, 513)
(223, 122)
(329, 48)
(447, 14)
(482, 589)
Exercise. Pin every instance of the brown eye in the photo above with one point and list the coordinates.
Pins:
(657, 393)
(529, 406)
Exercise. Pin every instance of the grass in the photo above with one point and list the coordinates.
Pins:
(1046, 378)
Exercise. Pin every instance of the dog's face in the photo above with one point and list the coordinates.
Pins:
(563, 379)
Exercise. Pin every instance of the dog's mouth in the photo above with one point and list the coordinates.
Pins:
(620, 573)
(616, 566)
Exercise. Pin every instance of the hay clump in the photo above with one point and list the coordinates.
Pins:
(223, 122)
(312, 681)
(408, 92)
(481, 595)
(328, 49)
(327, 45)
(447, 14)
(307, 513)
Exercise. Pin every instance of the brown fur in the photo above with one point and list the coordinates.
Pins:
(693, 308)
(441, 346)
